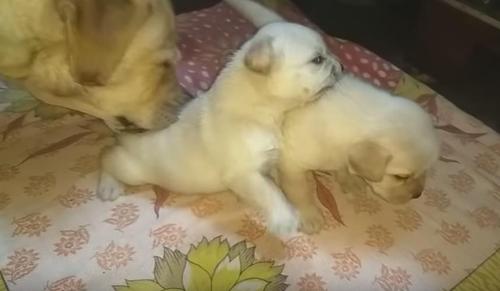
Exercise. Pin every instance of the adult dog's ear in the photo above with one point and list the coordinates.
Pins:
(368, 160)
(260, 56)
(98, 33)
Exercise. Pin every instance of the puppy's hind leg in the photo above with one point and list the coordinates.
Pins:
(260, 191)
(117, 167)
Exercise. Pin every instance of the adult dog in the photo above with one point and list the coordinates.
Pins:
(113, 59)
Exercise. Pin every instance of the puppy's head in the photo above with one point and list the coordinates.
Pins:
(123, 53)
(293, 59)
(394, 163)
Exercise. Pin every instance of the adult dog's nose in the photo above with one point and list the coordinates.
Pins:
(417, 194)
(128, 126)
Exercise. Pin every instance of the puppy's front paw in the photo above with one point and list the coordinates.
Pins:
(311, 220)
(109, 188)
(283, 221)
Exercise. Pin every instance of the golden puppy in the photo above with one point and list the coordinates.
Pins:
(113, 59)
(372, 140)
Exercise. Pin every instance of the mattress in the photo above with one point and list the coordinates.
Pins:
(55, 234)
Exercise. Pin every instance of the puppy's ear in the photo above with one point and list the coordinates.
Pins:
(98, 33)
(260, 56)
(369, 160)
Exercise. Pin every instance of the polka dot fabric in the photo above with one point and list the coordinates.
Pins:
(208, 37)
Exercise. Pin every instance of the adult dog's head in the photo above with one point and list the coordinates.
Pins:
(122, 54)
(293, 60)
(394, 160)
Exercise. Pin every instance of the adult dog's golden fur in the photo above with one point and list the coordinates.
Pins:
(113, 59)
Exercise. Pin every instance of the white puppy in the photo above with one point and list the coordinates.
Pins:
(229, 137)
(368, 136)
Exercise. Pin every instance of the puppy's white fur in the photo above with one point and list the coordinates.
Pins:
(256, 13)
(365, 134)
(229, 137)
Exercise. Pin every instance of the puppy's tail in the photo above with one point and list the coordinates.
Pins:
(255, 12)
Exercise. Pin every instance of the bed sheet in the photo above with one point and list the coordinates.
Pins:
(56, 235)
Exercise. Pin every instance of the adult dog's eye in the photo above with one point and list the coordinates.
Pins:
(318, 60)
(166, 64)
(401, 177)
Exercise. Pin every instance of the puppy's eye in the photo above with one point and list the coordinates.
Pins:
(401, 177)
(318, 60)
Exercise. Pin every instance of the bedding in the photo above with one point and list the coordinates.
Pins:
(56, 235)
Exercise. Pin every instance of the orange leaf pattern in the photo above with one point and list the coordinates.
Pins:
(437, 199)
(85, 165)
(20, 264)
(161, 196)
(396, 279)
(347, 265)
(311, 282)
(169, 235)
(253, 226)
(380, 238)
(114, 256)
(486, 217)
(40, 185)
(56, 146)
(364, 203)
(433, 261)
(455, 233)
(70, 283)
(327, 200)
(206, 206)
(462, 182)
(300, 247)
(31, 225)
(487, 163)
(408, 219)
(76, 197)
(123, 215)
(72, 241)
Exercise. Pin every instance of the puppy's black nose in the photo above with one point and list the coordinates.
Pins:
(417, 194)
(337, 71)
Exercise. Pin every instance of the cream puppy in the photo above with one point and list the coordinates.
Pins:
(368, 136)
(229, 137)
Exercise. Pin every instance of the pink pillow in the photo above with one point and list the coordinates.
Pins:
(208, 37)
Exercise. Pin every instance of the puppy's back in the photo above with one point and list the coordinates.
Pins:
(351, 111)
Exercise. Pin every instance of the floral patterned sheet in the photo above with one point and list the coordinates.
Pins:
(56, 235)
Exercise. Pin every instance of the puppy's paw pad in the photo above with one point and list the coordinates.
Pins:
(109, 188)
(311, 222)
